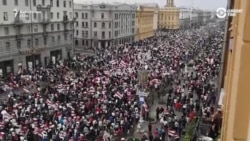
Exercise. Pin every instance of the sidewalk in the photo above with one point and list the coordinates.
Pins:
(152, 114)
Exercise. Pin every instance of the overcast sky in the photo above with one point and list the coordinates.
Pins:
(202, 4)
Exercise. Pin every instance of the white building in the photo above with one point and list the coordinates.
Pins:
(185, 16)
(37, 32)
(102, 25)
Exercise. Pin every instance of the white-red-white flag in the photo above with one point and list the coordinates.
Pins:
(118, 95)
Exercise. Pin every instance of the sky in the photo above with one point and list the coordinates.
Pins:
(201, 4)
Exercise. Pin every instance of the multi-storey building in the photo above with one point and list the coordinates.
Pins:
(169, 16)
(184, 17)
(235, 80)
(34, 32)
(144, 22)
(155, 20)
(102, 25)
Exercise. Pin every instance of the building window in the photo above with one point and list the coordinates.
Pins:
(34, 16)
(26, 2)
(133, 23)
(36, 42)
(103, 34)
(53, 39)
(70, 4)
(95, 25)
(83, 42)
(102, 16)
(57, 3)
(77, 24)
(51, 15)
(58, 38)
(51, 2)
(103, 24)
(70, 15)
(133, 16)
(27, 15)
(28, 43)
(19, 43)
(109, 34)
(76, 42)
(110, 25)
(45, 40)
(82, 24)
(86, 24)
(82, 15)
(58, 27)
(58, 15)
(7, 46)
(35, 28)
(52, 27)
(5, 16)
(77, 32)
(6, 31)
(87, 43)
(95, 34)
(16, 2)
(65, 37)
(86, 15)
(4, 2)
(76, 15)
(83, 34)
(43, 2)
(64, 4)
(86, 33)
(71, 36)
(34, 2)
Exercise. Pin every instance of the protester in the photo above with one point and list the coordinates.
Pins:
(93, 97)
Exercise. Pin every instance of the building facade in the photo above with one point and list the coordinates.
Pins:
(144, 22)
(168, 17)
(235, 75)
(184, 17)
(32, 33)
(155, 20)
(103, 25)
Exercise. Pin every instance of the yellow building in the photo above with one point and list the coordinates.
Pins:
(236, 104)
(144, 22)
(169, 16)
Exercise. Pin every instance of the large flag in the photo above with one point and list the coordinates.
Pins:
(173, 134)
(118, 95)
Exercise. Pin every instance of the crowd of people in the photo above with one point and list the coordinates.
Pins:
(94, 98)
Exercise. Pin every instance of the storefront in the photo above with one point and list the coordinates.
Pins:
(33, 61)
(6, 67)
(56, 55)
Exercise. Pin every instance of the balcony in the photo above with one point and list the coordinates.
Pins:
(19, 37)
(73, 20)
(18, 22)
(45, 34)
(65, 19)
(45, 21)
